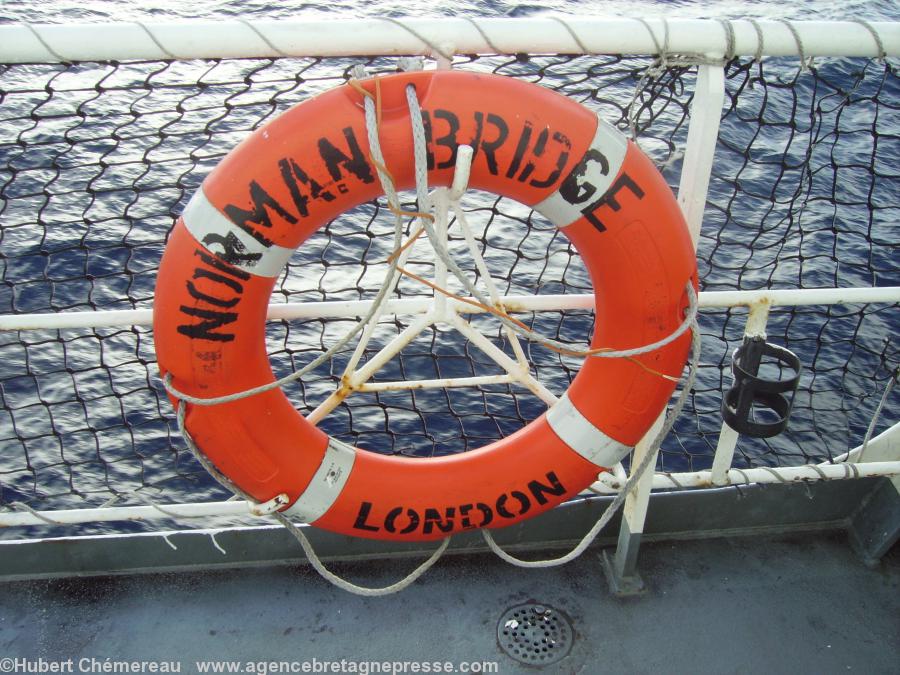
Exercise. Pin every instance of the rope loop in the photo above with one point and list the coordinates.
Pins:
(432, 46)
(728, 27)
(760, 40)
(879, 44)
(805, 63)
(630, 485)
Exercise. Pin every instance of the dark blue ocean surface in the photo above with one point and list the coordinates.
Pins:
(97, 160)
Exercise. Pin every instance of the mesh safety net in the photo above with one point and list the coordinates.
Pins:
(98, 159)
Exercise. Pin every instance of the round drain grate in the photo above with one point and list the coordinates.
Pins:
(535, 634)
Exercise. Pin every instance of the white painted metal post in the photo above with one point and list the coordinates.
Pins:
(757, 319)
(703, 132)
(706, 110)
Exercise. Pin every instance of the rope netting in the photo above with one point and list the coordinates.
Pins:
(98, 159)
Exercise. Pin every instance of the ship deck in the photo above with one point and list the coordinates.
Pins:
(795, 603)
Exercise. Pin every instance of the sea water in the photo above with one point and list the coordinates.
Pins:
(24, 474)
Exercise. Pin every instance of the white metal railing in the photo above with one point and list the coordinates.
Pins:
(20, 43)
(28, 43)
(608, 483)
(345, 309)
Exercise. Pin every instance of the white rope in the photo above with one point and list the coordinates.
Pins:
(435, 48)
(728, 27)
(298, 534)
(572, 33)
(760, 40)
(650, 73)
(156, 41)
(630, 484)
(56, 55)
(349, 586)
(879, 44)
(805, 63)
(22, 506)
(484, 36)
(263, 37)
(887, 391)
(420, 155)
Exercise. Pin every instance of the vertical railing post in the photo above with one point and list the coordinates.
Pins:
(703, 131)
(757, 319)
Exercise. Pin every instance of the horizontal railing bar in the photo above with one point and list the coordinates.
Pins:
(124, 513)
(792, 297)
(338, 309)
(439, 383)
(608, 483)
(191, 39)
(112, 318)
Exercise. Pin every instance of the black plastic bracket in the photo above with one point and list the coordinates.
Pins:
(750, 390)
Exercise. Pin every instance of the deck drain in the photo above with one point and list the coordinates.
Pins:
(535, 634)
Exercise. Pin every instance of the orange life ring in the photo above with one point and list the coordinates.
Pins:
(311, 164)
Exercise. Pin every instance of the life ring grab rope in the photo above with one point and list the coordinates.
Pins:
(581, 547)
(689, 323)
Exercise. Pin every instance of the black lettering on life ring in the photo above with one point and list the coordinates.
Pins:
(486, 512)
(609, 199)
(210, 321)
(365, 508)
(442, 519)
(354, 163)
(291, 172)
(263, 206)
(448, 140)
(232, 249)
(490, 147)
(575, 189)
(224, 292)
(258, 214)
(479, 130)
(465, 521)
(523, 500)
(521, 147)
(537, 151)
(429, 150)
(197, 294)
(213, 261)
(390, 520)
(434, 518)
(561, 161)
(539, 490)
